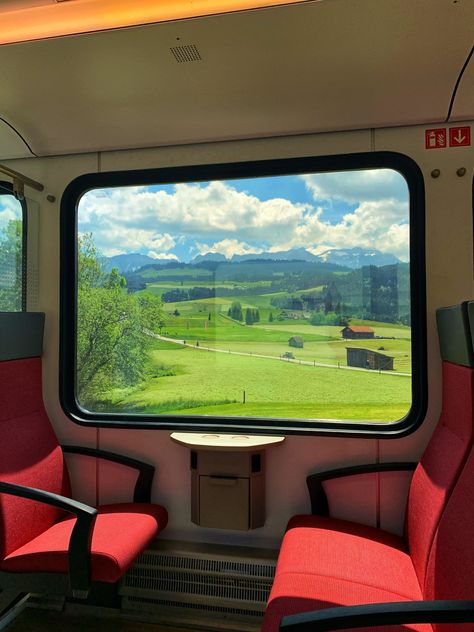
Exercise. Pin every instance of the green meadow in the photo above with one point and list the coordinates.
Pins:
(202, 362)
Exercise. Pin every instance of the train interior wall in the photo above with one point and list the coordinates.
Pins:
(449, 279)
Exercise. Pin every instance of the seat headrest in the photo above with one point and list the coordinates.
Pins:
(455, 328)
(21, 335)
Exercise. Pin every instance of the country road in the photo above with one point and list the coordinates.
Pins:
(200, 347)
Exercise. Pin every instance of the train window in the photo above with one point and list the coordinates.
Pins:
(280, 294)
(12, 251)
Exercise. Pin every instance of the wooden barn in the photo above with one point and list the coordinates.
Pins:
(296, 341)
(369, 359)
(357, 332)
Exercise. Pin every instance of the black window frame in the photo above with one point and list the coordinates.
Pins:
(6, 188)
(405, 165)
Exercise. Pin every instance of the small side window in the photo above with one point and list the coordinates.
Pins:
(12, 251)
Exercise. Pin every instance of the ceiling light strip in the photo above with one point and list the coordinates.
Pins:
(85, 16)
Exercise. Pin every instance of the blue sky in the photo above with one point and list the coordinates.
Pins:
(315, 211)
(10, 209)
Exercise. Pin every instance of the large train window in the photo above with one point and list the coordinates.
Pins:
(284, 295)
(12, 251)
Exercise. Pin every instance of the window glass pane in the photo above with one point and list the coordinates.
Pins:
(274, 297)
(11, 253)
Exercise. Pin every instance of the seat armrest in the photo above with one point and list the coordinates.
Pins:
(314, 482)
(79, 551)
(142, 492)
(379, 614)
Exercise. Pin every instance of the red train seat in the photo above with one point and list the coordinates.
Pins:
(48, 541)
(326, 562)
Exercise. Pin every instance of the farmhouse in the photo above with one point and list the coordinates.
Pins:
(356, 332)
(368, 359)
(296, 341)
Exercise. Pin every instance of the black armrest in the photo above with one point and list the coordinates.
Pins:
(399, 612)
(319, 501)
(79, 565)
(142, 493)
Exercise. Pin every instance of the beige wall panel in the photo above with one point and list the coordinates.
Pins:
(393, 493)
(463, 106)
(11, 144)
(449, 279)
(352, 498)
(263, 149)
(287, 466)
(449, 255)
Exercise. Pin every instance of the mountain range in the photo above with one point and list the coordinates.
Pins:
(347, 257)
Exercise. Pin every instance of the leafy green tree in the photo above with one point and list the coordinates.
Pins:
(11, 266)
(270, 317)
(113, 328)
(249, 316)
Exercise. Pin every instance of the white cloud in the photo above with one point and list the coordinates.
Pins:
(355, 186)
(214, 210)
(215, 217)
(161, 255)
(228, 247)
(10, 209)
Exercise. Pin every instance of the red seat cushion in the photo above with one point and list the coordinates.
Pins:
(121, 532)
(325, 562)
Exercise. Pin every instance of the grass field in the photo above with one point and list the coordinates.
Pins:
(214, 383)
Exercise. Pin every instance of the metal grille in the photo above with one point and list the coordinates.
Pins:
(142, 603)
(207, 584)
(188, 52)
(221, 587)
(206, 564)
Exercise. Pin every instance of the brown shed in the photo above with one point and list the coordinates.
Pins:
(369, 359)
(357, 332)
(296, 341)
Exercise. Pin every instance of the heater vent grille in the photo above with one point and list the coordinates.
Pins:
(165, 582)
(142, 603)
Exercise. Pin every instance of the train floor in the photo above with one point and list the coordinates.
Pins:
(39, 620)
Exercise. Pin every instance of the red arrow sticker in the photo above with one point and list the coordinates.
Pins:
(459, 136)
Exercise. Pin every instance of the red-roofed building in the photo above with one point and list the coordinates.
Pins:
(357, 332)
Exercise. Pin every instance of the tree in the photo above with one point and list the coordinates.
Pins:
(112, 326)
(11, 266)
(270, 317)
(249, 316)
(235, 311)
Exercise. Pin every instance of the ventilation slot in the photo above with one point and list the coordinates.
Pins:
(215, 586)
(138, 603)
(185, 53)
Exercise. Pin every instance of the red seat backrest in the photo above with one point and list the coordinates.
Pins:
(29, 454)
(438, 471)
(450, 569)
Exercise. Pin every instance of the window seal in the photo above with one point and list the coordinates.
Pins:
(405, 165)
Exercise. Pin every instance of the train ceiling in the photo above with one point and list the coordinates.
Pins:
(314, 66)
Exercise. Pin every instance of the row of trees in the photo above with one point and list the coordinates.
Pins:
(112, 344)
(11, 267)
(235, 312)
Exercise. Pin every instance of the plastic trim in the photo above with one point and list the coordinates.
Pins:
(317, 494)
(391, 613)
(142, 492)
